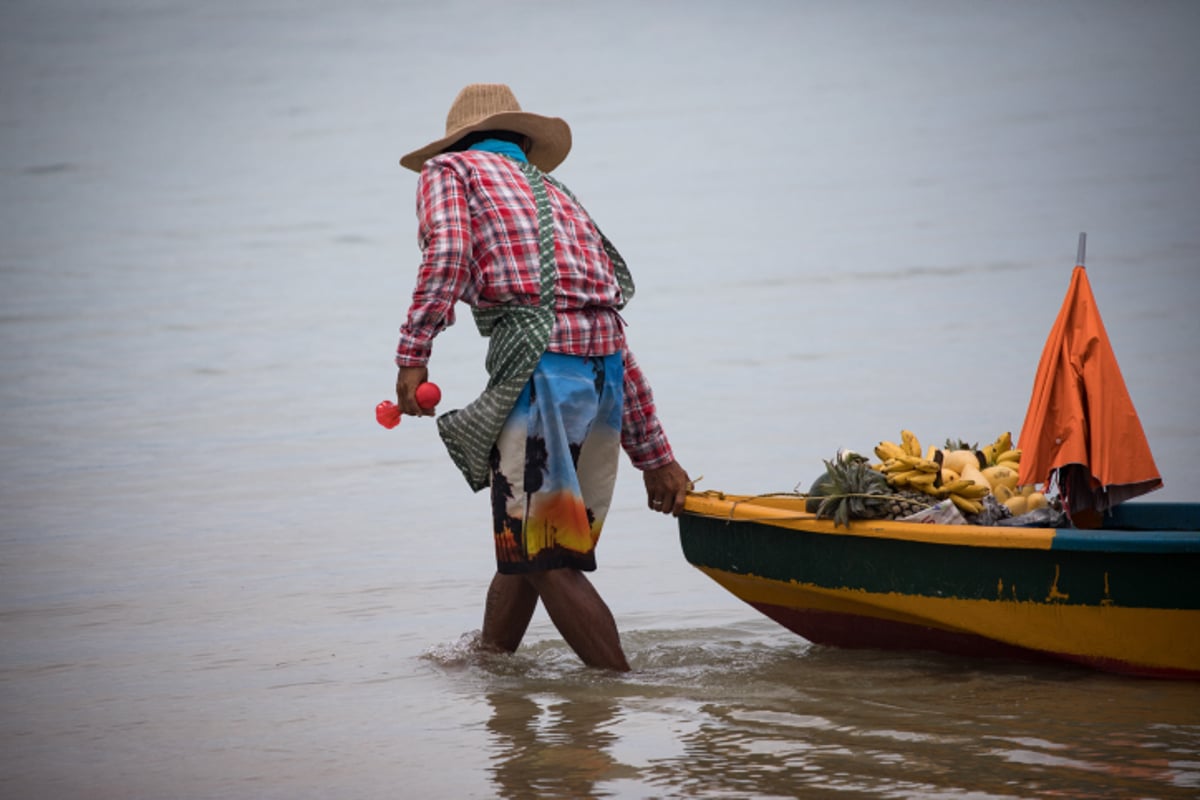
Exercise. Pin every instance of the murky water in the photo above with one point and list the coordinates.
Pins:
(219, 577)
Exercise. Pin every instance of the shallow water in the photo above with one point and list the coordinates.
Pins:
(219, 577)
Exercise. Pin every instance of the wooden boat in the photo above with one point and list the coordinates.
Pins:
(1123, 598)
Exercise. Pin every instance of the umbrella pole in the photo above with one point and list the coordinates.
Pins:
(1082, 249)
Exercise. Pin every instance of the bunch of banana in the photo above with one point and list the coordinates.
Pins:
(909, 445)
(905, 467)
(966, 494)
(1002, 451)
(965, 476)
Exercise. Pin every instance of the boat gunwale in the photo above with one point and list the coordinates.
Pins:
(775, 510)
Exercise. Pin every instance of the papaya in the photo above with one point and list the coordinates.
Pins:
(957, 460)
(975, 476)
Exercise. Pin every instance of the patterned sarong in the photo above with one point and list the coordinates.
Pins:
(554, 465)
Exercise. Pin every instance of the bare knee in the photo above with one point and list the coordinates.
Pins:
(504, 585)
(556, 579)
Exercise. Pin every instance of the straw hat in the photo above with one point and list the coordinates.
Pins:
(493, 106)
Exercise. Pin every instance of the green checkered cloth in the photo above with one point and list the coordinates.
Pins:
(519, 335)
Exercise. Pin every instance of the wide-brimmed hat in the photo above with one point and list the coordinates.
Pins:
(493, 106)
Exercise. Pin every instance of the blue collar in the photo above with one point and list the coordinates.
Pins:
(502, 147)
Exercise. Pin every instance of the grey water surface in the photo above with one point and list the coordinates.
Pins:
(219, 578)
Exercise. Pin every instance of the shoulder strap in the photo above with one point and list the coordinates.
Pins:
(624, 279)
(519, 336)
(486, 318)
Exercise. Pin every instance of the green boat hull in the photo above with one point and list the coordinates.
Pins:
(1122, 599)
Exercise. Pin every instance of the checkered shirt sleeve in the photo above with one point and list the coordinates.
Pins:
(642, 435)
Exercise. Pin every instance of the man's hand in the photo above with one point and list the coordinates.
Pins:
(407, 381)
(666, 488)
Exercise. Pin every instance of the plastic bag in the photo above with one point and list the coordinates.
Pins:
(1045, 517)
(942, 513)
(994, 513)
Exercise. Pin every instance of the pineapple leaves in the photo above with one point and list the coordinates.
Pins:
(855, 491)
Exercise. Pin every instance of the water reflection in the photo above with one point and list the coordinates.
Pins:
(702, 719)
(552, 745)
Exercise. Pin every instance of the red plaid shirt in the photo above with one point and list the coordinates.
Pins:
(477, 227)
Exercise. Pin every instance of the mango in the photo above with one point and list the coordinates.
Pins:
(1017, 504)
(1000, 475)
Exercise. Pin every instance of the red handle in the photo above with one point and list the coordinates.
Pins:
(387, 414)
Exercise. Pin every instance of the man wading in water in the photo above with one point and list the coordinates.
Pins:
(564, 394)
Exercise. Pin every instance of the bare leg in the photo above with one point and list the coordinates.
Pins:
(511, 600)
(581, 616)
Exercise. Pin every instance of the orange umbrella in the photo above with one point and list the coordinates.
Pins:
(1081, 427)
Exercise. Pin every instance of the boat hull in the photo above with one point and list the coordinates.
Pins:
(1121, 601)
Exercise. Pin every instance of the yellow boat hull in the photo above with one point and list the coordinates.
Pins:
(1120, 600)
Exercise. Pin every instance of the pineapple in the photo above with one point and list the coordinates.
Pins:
(852, 490)
(905, 502)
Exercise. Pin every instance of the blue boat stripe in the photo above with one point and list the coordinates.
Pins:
(1107, 541)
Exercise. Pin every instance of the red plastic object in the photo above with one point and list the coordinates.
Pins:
(428, 396)
(387, 414)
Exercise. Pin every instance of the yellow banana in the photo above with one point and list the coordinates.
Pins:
(969, 506)
(957, 484)
(930, 490)
(886, 450)
(1003, 443)
(912, 445)
(918, 463)
(923, 479)
(1013, 455)
(973, 492)
(900, 478)
(989, 454)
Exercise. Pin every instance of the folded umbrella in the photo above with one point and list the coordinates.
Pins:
(1081, 429)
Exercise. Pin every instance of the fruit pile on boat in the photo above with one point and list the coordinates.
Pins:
(980, 482)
